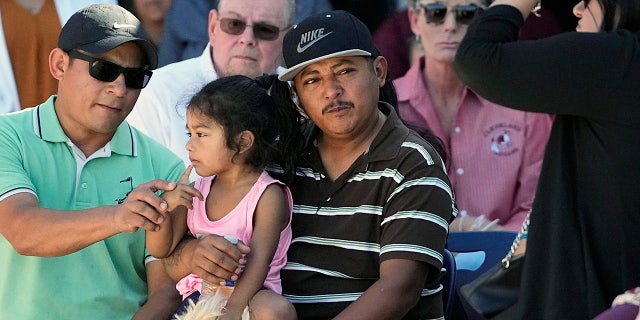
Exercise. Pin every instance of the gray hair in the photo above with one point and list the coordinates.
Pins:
(290, 6)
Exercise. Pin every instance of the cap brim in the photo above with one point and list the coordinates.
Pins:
(290, 73)
(107, 44)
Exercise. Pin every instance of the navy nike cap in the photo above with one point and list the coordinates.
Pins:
(325, 35)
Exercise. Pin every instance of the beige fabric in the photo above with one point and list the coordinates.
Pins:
(30, 37)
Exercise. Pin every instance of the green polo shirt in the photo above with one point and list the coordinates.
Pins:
(106, 280)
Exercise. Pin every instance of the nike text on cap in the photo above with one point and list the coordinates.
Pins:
(99, 28)
(325, 35)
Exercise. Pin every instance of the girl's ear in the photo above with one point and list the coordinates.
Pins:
(245, 140)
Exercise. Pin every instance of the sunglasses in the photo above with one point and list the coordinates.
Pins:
(436, 12)
(262, 31)
(103, 70)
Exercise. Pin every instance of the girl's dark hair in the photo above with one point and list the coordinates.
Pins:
(620, 14)
(239, 103)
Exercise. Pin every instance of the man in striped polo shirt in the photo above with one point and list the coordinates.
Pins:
(372, 200)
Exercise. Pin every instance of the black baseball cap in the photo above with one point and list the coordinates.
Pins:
(99, 28)
(325, 35)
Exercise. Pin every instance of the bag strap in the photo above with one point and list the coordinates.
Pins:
(523, 230)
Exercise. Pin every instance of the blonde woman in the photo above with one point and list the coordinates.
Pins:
(494, 153)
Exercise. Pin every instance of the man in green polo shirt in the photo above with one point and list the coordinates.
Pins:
(75, 199)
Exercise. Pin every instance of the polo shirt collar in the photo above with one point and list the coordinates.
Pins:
(386, 146)
(206, 64)
(413, 89)
(410, 86)
(47, 126)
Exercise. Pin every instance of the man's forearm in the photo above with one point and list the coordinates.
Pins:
(212, 258)
(376, 303)
(393, 295)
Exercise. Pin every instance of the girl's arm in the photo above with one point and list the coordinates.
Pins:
(162, 242)
(270, 218)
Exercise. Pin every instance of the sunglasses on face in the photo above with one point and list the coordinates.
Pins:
(436, 12)
(262, 31)
(103, 70)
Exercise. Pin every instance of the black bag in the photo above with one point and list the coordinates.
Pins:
(496, 290)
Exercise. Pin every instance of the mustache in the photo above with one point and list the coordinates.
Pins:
(337, 103)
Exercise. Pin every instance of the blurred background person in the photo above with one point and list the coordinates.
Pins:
(29, 32)
(398, 43)
(152, 14)
(184, 33)
(185, 27)
(494, 153)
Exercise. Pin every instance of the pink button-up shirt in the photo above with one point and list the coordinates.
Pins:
(495, 153)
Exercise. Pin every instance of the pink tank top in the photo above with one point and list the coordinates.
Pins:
(237, 223)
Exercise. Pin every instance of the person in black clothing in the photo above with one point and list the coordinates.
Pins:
(584, 246)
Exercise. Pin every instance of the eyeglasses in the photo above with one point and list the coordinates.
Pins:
(436, 12)
(262, 31)
(103, 70)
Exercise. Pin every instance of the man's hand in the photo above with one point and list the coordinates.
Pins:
(183, 194)
(143, 208)
(213, 258)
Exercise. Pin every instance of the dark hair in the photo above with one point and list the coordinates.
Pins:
(239, 103)
(620, 14)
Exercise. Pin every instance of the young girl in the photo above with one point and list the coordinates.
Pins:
(236, 129)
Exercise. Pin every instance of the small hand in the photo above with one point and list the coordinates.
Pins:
(470, 223)
(143, 208)
(183, 194)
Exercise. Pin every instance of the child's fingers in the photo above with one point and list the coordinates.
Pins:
(184, 179)
(192, 192)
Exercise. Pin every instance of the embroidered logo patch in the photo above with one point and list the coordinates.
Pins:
(309, 38)
(124, 196)
(501, 134)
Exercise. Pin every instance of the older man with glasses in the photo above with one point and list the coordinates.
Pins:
(74, 204)
(245, 37)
